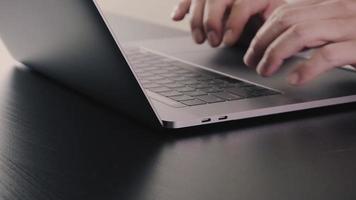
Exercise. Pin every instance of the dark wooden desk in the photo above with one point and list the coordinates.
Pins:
(56, 144)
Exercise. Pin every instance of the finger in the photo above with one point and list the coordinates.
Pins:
(215, 12)
(324, 59)
(286, 17)
(301, 36)
(299, 3)
(196, 21)
(242, 12)
(238, 18)
(180, 11)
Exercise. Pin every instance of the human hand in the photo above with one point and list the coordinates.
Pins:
(327, 24)
(222, 20)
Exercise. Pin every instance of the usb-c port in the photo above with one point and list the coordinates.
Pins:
(223, 118)
(206, 120)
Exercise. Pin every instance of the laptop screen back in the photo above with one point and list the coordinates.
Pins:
(68, 41)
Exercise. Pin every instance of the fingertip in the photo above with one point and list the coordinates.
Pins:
(301, 74)
(213, 39)
(180, 10)
(174, 17)
(268, 67)
(249, 59)
(214, 29)
(246, 58)
(177, 15)
(198, 36)
(294, 79)
(229, 38)
(261, 69)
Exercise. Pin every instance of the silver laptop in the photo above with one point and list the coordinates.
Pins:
(168, 83)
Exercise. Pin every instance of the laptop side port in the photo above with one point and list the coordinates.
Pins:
(223, 118)
(206, 120)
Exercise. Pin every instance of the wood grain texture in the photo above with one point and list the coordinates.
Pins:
(56, 144)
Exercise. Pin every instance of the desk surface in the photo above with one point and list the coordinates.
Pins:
(56, 144)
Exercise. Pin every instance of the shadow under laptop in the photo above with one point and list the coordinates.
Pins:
(56, 144)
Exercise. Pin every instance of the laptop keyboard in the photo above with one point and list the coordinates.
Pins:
(179, 84)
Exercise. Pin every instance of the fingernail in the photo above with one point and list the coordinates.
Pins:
(259, 70)
(261, 67)
(294, 79)
(228, 37)
(247, 57)
(174, 13)
(198, 36)
(213, 38)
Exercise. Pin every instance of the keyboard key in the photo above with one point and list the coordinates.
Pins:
(215, 76)
(253, 88)
(200, 86)
(164, 81)
(183, 71)
(153, 69)
(227, 96)
(161, 71)
(194, 102)
(142, 65)
(195, 93)
(185, 89)
(145, 75)
(191, 82)
(240, 92)
(210, 99)
(162, 65)
(154, 78)
(174, 85)
(222, 84)
(151, 85)
(216, 81)
(204, 78)
(151, 60)
(211, 90)
(227, 85)
(193, 76)
(243, 84)
(165, 100)
(182, 98)
(169, 75)
(160, 89)
(231, 80)
(145, 81)
(179, 78)
(170, 93)
(172, 67)
(140, 71)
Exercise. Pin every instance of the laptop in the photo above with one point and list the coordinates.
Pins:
(169, 82)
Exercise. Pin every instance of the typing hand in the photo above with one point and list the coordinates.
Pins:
(222, 20)
(328, 25)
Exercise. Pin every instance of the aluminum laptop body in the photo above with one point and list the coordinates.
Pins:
(71, 42)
